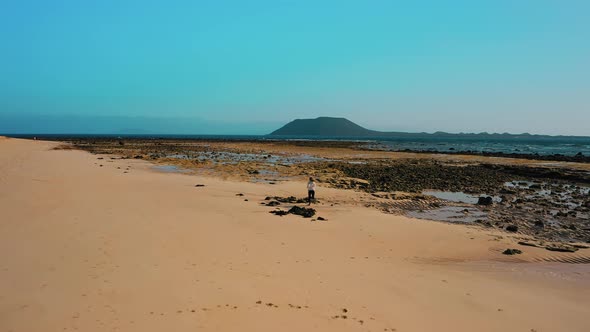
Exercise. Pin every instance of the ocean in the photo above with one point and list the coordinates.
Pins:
(567, 146)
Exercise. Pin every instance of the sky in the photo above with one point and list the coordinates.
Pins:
(248, 67)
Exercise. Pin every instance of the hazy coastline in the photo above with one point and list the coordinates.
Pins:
(548, 148)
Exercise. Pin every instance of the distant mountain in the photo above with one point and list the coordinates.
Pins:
(323, 126)
(341, 127)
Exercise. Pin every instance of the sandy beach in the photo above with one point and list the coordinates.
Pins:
(89, 244)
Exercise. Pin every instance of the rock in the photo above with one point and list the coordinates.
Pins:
(273, 203)
(485, 201)
(528, 244)
(322, 219)
(138, 157)
(507, 191)
(279, 212)
(240, 194)
(199, 185)
(301, 211)
(512, 252)
(540, 224)
(290, 199)
(561, 248)
(512, 228)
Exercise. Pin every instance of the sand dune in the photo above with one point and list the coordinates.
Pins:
(90, 244)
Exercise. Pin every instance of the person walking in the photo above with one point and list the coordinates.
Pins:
(310, 191)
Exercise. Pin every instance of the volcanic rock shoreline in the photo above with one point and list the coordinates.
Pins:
(355, 145)
(419, 175)
(546, 203)
(577, 158)
(552, 205)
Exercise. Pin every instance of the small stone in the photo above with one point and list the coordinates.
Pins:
(485, 201)
(528, 244)
(561, 248)
(512, 228)
(279, 212)
(512, 252)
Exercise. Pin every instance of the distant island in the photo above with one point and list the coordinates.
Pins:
(341, 127)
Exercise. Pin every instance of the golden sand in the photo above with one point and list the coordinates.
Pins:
(91, 244)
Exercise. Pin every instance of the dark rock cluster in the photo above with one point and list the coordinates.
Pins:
(512, 252)
(301, 211)
(291, 199)
(419, 175)
(297, 210)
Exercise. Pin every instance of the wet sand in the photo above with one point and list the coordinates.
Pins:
(93, 244)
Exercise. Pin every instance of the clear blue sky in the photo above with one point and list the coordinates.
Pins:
(248, 66)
